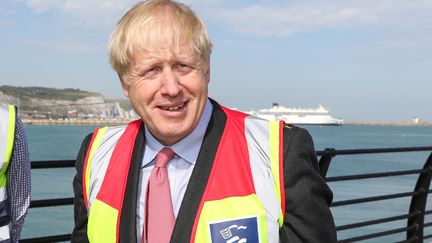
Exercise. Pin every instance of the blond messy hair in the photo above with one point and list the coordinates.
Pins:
(149, 23)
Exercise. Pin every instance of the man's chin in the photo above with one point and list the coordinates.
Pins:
(171, 136)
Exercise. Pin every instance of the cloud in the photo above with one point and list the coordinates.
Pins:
(265, 18)
(43, 5)
(95, 13)
(91, 13)
(277, 19)
(66, 46)
(6, 11)
(263, 21)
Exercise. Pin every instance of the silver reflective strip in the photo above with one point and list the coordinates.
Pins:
(101, 160)
(4, 125)
(257, 137)
(4, 232)
(3, 194)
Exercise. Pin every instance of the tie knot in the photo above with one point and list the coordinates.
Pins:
(163, 157)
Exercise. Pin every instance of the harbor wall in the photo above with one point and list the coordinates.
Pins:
(387, 123)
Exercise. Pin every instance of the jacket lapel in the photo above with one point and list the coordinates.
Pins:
(198, 181)
(128, 231)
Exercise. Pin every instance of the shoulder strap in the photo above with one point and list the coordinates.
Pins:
(94, 144)
(276, 158)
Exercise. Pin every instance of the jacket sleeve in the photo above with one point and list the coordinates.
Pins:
(79, 234)
(307, 196)
(19, 182)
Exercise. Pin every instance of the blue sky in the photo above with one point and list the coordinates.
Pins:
(366, 60)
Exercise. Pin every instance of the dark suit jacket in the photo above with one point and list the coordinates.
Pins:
(307, 197)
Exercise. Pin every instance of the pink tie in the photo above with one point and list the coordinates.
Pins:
(160, 221)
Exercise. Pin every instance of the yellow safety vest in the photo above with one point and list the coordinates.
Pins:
(7, 139)
(244, 197)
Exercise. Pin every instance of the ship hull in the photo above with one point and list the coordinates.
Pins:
(296, 116)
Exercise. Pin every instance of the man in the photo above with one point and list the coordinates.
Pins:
(14, 175)
(191, 170)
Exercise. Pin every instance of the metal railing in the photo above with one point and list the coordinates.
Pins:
(417, 210)
(415, 217)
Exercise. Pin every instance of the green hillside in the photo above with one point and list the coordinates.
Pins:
(46, 93)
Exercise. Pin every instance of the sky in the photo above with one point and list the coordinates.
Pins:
(366, 60)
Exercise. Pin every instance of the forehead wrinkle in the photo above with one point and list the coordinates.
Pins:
(168, 56)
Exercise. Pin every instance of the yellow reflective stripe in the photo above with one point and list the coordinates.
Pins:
(9, 145)
(102, 224)
(231, 208)
(94, 147)
(11, 132)
(274, 137)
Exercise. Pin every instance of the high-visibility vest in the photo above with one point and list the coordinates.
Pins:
(7, 139)
(244, 197)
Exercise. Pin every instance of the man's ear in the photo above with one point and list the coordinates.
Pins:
(125, 86)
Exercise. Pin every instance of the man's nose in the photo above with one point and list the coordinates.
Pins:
(170, 83)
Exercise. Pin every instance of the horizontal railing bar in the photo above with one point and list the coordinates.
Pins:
(51, 164)
(332, 152)
(376, 175)
(427, 224)
(54, 238)
(376, 221)
(427, 236)
(378, 234)
(51, 202)
(373, 199)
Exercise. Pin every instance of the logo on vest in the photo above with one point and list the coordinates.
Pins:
(235, 231)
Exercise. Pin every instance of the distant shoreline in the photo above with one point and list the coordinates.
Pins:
(408, 123)
(125, 121)
(75, 121)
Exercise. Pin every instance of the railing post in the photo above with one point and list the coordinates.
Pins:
(418, 203)
(324, 162)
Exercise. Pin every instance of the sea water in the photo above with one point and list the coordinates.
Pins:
(63, 142)
(56, 142)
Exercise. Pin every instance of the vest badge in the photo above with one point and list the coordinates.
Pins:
(243, 230)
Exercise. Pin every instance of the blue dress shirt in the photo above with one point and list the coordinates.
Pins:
(180, 166)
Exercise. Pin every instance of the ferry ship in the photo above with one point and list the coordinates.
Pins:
(299, 116)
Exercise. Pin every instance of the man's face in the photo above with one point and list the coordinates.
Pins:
(168, 90)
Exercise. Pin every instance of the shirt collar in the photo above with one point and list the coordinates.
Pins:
(187, 148)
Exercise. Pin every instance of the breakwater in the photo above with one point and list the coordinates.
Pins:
(387, 123)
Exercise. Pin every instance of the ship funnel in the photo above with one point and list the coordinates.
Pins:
(275, 104)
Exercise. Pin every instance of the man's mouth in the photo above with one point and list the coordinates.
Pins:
(173, 108)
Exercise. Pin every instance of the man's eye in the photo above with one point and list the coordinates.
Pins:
(183, 68)
(150, 72)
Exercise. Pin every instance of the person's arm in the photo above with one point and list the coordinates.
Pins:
(79, 234)
(307, 196)
(19, 182)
